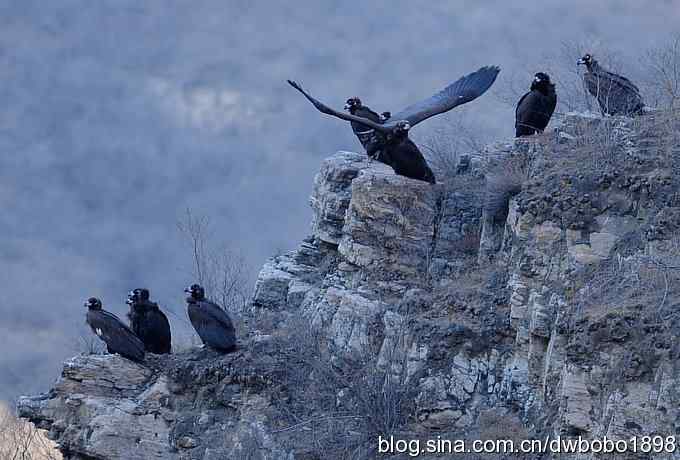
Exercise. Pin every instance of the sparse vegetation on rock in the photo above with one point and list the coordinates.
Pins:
(387, 320)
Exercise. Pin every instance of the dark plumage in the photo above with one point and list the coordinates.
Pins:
(364, 133)
(117, 336)
(399, 151)
(403, 155)
(615, 94)
(149, 323)
(371, 140)
(535, 108)
(212, 324)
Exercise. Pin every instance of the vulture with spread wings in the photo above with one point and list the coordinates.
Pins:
(615, 94)
(398, 150)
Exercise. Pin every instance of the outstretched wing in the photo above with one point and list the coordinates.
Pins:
(465, 89)
(345, 116)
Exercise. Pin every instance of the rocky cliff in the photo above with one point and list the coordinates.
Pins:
(532, 294)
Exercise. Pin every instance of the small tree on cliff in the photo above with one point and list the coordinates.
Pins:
(21, 440)
(663, 73)
(220, 269)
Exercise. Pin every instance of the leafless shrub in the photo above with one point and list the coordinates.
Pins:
(87, 342)
(607, 144)
(663, 73)
(447, 142)
(355, 399)
(21, 440)
(315, 422)
(628, 280)
(220, 269)
(602, 146)
(660, 276)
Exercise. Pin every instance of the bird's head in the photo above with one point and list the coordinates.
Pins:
(138, 295)
(586, 60)
(401, 128)
(352, 104)
(195, 291)
(541, 80)
(93, 303)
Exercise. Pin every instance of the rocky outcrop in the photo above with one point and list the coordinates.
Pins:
(193, 405)
(557, 313)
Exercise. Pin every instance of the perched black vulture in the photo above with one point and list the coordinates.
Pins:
(535, 108)
(117, 336)
(149, 323)
(399, 151)
(212, 324)
(615, 94)
(370, 140)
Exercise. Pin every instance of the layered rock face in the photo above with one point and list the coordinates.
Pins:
(192, 405)
(556, 315)
(591, 252)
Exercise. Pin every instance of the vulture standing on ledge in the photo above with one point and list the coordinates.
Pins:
(535, 108)
(615, 94)
(399, 151)
(117, 336)
(148, 322)
(212, 324)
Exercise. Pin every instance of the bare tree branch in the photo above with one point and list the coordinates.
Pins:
(21, 440)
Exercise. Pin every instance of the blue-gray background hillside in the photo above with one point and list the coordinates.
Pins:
(116, 116)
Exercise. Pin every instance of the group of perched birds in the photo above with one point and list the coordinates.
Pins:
(149, 328)
(385, 136)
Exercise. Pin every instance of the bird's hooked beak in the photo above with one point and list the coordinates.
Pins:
(86, 304)
(348, 106)
(581, 62)
(537, 79)
(129, 301)
(187, 290)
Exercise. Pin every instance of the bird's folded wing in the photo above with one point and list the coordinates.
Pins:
(113, 319)
(323, 108)
(217, 314)
(463, 90)
(116, 334)
(521, 104)
(621, 81)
